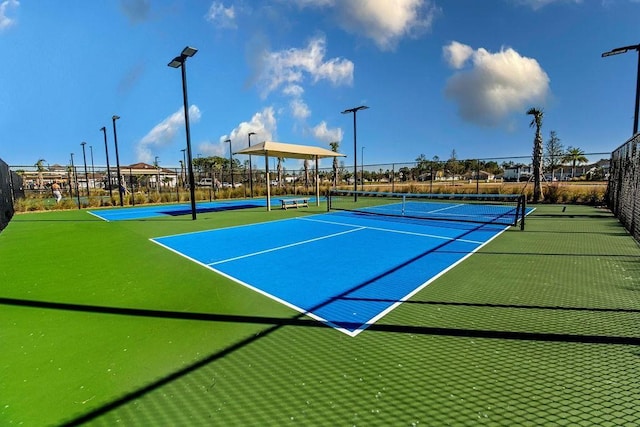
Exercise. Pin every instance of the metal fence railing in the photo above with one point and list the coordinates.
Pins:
(6, 195)
(291, 176)
(624, 185)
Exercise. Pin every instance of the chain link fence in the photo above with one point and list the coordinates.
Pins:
(144, 183)
(624, 185)
(10, 187)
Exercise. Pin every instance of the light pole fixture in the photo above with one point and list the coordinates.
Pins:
(250, 172)
(355, 143)
(106, 150)
(86, 175)
(362, 168)
(115, 140)
(75, 180)
(181, 62)
(625, 49)
(230, 161)
(157, 174)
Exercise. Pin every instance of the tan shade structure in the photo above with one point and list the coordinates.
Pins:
(288, 151)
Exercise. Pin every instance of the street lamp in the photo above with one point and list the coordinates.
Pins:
(115, 140)
(93, 170)
(106, 150)
(157, 174)
(86, 175)
(181, 62)
(230, 161)
(625, 49)
(362, 168)
(75, 180)
(355, 162)
(250, 173)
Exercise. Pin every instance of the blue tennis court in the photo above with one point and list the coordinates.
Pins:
(345, 269)
(144, 212)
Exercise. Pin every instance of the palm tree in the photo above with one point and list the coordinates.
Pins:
(334, 147)
(40, 168)
(279, 167)
(306, 173)
(537, 152)
(574, 156)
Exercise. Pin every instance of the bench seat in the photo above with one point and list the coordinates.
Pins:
(295, 203)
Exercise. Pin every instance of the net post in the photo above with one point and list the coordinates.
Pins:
(523, 210)
(404, 204)
(329, 200)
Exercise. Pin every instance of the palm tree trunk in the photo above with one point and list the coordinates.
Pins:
(537, 167)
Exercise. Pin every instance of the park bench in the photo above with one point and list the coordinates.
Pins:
(297, 202)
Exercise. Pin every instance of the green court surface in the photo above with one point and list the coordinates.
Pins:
(101, 326)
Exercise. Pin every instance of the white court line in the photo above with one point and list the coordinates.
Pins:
(444, 209)
(387, 230)
(97, 216)
(287, 246)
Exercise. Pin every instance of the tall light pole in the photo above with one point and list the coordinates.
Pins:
(250, 172)
(181, 62)
(75, 180)
(93, 170)
(355, 143)
(106, 150)
(115, 140)
(362, 168)
(230, 161)
(157, 174)
(86, 175)
(625, 49)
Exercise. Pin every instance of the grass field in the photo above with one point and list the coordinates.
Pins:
(102, 326)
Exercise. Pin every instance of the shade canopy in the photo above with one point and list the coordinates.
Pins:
(288, 151)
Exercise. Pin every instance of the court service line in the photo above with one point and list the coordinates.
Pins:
(303, 242)
(387, 230)
(444, 209)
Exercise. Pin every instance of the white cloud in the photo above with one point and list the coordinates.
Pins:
(299, 109)
(293, 66)
(263, 123)
(323, 133)
(495, 85)
(387, 21)
(5, 6)
(136, 10)
(457, 54)
(539, 4)
(164, 133)
(383, 21)
(221, 16)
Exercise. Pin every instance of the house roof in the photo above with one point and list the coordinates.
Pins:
(288, 151)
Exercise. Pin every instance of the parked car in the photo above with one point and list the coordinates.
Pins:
(205, 182)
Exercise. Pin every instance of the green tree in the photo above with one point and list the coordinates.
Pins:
(306, 173)
(575, 156)
(493, 167)
(334, 147)
(40, 168)
(537, 152)
(554, 151)
(279, 168)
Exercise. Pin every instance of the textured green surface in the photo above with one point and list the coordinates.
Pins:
(100, 325)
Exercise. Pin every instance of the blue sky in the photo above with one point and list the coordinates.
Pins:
(438, 76)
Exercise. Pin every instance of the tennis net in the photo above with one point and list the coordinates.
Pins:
(506, 209)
